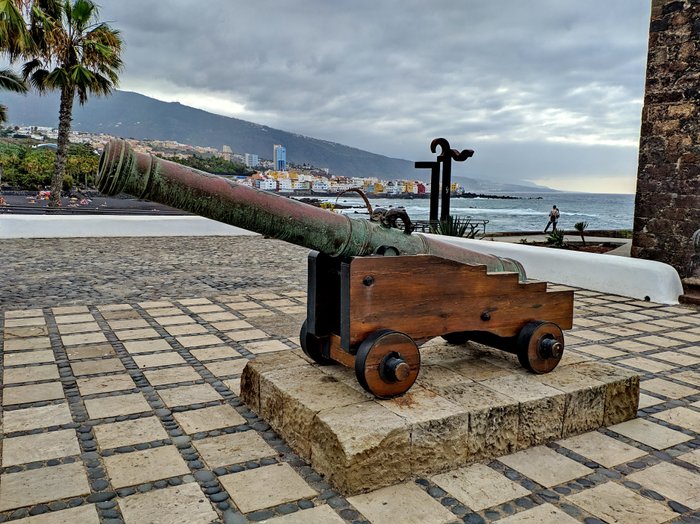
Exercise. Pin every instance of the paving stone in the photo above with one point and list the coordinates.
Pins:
(225, 368)
(116, 405)
(247, 334)
(24, 322)
(646, 364)
(83, 338)
(317, 515)
(409, 501)
(163, 311)
(39, 417)
(28, 357)
(193, 301)
(24, 313)
(186, 329)
(20, 344)
(105, 384)
(671, 481)
(31, 393)
(131, 323)
(215, 353)
(266, 487)
(137, 467)
(89, 351)
(667, 388)
(602, 449)
(218, 317)
(693, 457)
(39, 447)
(199, 340)
(172, 375)
(69, 329)
(234, 385)
(185, 503)
(646, 400)
(27, 488)
(614, 503)
(207, 419)
(543, 514)
(129, 432)
(136, 334)
(690, 377)
(30, 374)
(208, 308)
(121, 314)
(158, 360)
(233, 449)
(678, 358)
(74, 319)
(479, 487)
(232, 324)
(654, 435)
(114, 307)
(146, 346)
(86, 514)
(682, 417)
(545, 466)
(174, 320)
(265, 346)
(94, 367)
(185, 395)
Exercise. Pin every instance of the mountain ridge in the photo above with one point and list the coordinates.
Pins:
(133, 115)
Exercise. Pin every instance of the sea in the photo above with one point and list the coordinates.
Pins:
(526, 212)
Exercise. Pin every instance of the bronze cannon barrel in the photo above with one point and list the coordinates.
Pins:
(122, 170)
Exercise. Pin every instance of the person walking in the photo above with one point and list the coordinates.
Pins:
(553, 219)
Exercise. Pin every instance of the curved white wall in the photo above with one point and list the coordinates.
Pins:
(629, 277)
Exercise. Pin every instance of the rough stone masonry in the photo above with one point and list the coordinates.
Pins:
(667, 212)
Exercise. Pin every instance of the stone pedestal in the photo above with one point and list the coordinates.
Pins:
(469, 403)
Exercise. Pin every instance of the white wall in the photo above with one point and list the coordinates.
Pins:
(629, 277)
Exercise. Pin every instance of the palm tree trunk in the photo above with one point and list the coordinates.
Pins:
(65, 115)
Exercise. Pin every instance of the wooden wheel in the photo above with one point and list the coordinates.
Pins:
(540, 346)
(459, 338)
(312, 346)
(387, 363)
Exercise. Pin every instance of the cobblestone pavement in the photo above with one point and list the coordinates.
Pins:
(121, 405)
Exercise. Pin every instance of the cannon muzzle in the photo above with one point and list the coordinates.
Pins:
(122, 170)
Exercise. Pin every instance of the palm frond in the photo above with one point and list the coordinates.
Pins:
(11, 81)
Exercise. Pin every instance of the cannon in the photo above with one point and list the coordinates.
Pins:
(375, 293)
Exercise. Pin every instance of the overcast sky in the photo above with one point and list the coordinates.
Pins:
(543, 90)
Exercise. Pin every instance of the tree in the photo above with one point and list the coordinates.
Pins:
(581, 227)
(71, 52)
(10, 81)
(14, 38)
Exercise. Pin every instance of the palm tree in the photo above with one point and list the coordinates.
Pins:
(74, 53)
(14, 37)
(10, 81)
(581, 227)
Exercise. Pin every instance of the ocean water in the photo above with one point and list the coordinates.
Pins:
(529, 212)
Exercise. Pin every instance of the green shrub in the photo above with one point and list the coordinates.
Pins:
(556, 238)
(456, 226)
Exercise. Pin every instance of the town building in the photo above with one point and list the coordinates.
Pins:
(279, 157)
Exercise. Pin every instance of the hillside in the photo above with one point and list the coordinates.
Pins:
(133, 115)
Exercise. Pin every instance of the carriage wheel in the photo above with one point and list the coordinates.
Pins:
(540, 346)
(387, 363)
(312, 346)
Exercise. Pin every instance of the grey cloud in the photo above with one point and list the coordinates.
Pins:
(389, 75)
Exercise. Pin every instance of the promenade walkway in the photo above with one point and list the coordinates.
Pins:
(120, 361)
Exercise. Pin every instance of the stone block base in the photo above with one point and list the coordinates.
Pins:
(469, 403)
